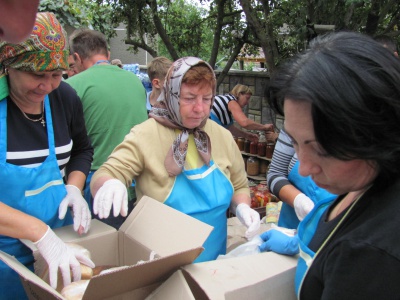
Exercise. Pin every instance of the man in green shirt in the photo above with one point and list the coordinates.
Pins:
(114, 100)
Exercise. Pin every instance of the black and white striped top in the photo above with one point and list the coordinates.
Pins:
(220, 108)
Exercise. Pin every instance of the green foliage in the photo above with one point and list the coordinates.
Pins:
(82, 13)
(187, 28)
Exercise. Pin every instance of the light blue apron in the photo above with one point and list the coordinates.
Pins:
(216, 119)
(205, 194)
(35, 191)
(306, 185)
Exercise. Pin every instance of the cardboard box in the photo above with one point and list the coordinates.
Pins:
(260, 276)
(176, 239)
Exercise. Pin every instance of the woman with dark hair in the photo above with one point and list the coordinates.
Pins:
(341, 101)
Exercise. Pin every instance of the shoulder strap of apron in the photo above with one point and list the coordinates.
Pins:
(3, 130)
(49, 125)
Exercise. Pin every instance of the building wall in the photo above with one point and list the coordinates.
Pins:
(119, 50)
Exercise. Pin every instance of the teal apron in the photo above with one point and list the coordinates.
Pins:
(306, 185)
(204, 194)
(214, 117)
(305, 232)
(34, 191)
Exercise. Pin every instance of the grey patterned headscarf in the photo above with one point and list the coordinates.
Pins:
(166, 112)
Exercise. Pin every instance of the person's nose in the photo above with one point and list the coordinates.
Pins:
(308, 165)
(46, 85)
(198, 105)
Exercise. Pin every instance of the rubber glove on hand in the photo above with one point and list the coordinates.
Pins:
(277, 241)
(114, 193)
(250, 218)
(302, 206)
(58, 255)
(80, 209)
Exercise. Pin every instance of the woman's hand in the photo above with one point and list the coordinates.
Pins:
(278, 242)
(112, 193)
(80, 209)
(250, 218)
(60, 256)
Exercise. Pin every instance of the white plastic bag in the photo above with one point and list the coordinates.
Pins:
(249, 248)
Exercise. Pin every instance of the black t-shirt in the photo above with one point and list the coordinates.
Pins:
(362, 258)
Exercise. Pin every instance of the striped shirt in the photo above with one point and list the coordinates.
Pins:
(283, 160)
(220, 108)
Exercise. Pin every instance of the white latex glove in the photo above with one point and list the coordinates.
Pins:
(302, 206)
(58, 255)
(250, 218)
(80, 208)
(113, 192)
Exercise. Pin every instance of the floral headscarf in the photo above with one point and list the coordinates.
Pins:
(166, 112)
(46, 49)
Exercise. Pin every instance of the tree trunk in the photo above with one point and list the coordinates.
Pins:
(263, 35)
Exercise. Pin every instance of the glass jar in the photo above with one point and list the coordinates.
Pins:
(247, 146)
(240, 143)
(263, 166)
(262, 142)
(253, 167)
(262, 194)
(269, 150)
(253, 148)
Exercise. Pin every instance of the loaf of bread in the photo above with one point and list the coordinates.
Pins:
(41, 267)
(75, 290)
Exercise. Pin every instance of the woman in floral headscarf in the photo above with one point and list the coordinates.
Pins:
(182, 159)
(43, 143)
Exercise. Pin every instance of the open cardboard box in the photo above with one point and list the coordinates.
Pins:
(176, 239)
(260, 276)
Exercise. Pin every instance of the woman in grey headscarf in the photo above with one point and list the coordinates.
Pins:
(171, 158)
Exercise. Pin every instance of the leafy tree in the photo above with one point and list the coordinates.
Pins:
(82, 13)
(226, 29)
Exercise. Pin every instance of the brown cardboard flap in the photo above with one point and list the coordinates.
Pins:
(138, 276)
(178, 232)
(173, 288)
(33, 285)
(259, 276)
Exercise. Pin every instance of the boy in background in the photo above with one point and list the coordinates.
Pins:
(157, 70)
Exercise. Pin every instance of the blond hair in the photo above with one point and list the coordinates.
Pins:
(241, 89)
(158, 68)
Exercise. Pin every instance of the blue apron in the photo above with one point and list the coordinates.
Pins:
(204, 194)
(214, 117)
(34, 191)
(305, 233)
(306, 185)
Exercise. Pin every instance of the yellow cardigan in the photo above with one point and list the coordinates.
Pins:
(142, 153)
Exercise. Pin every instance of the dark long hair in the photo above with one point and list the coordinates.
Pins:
(353, 85)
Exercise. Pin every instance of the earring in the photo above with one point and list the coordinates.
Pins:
(6, 71)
